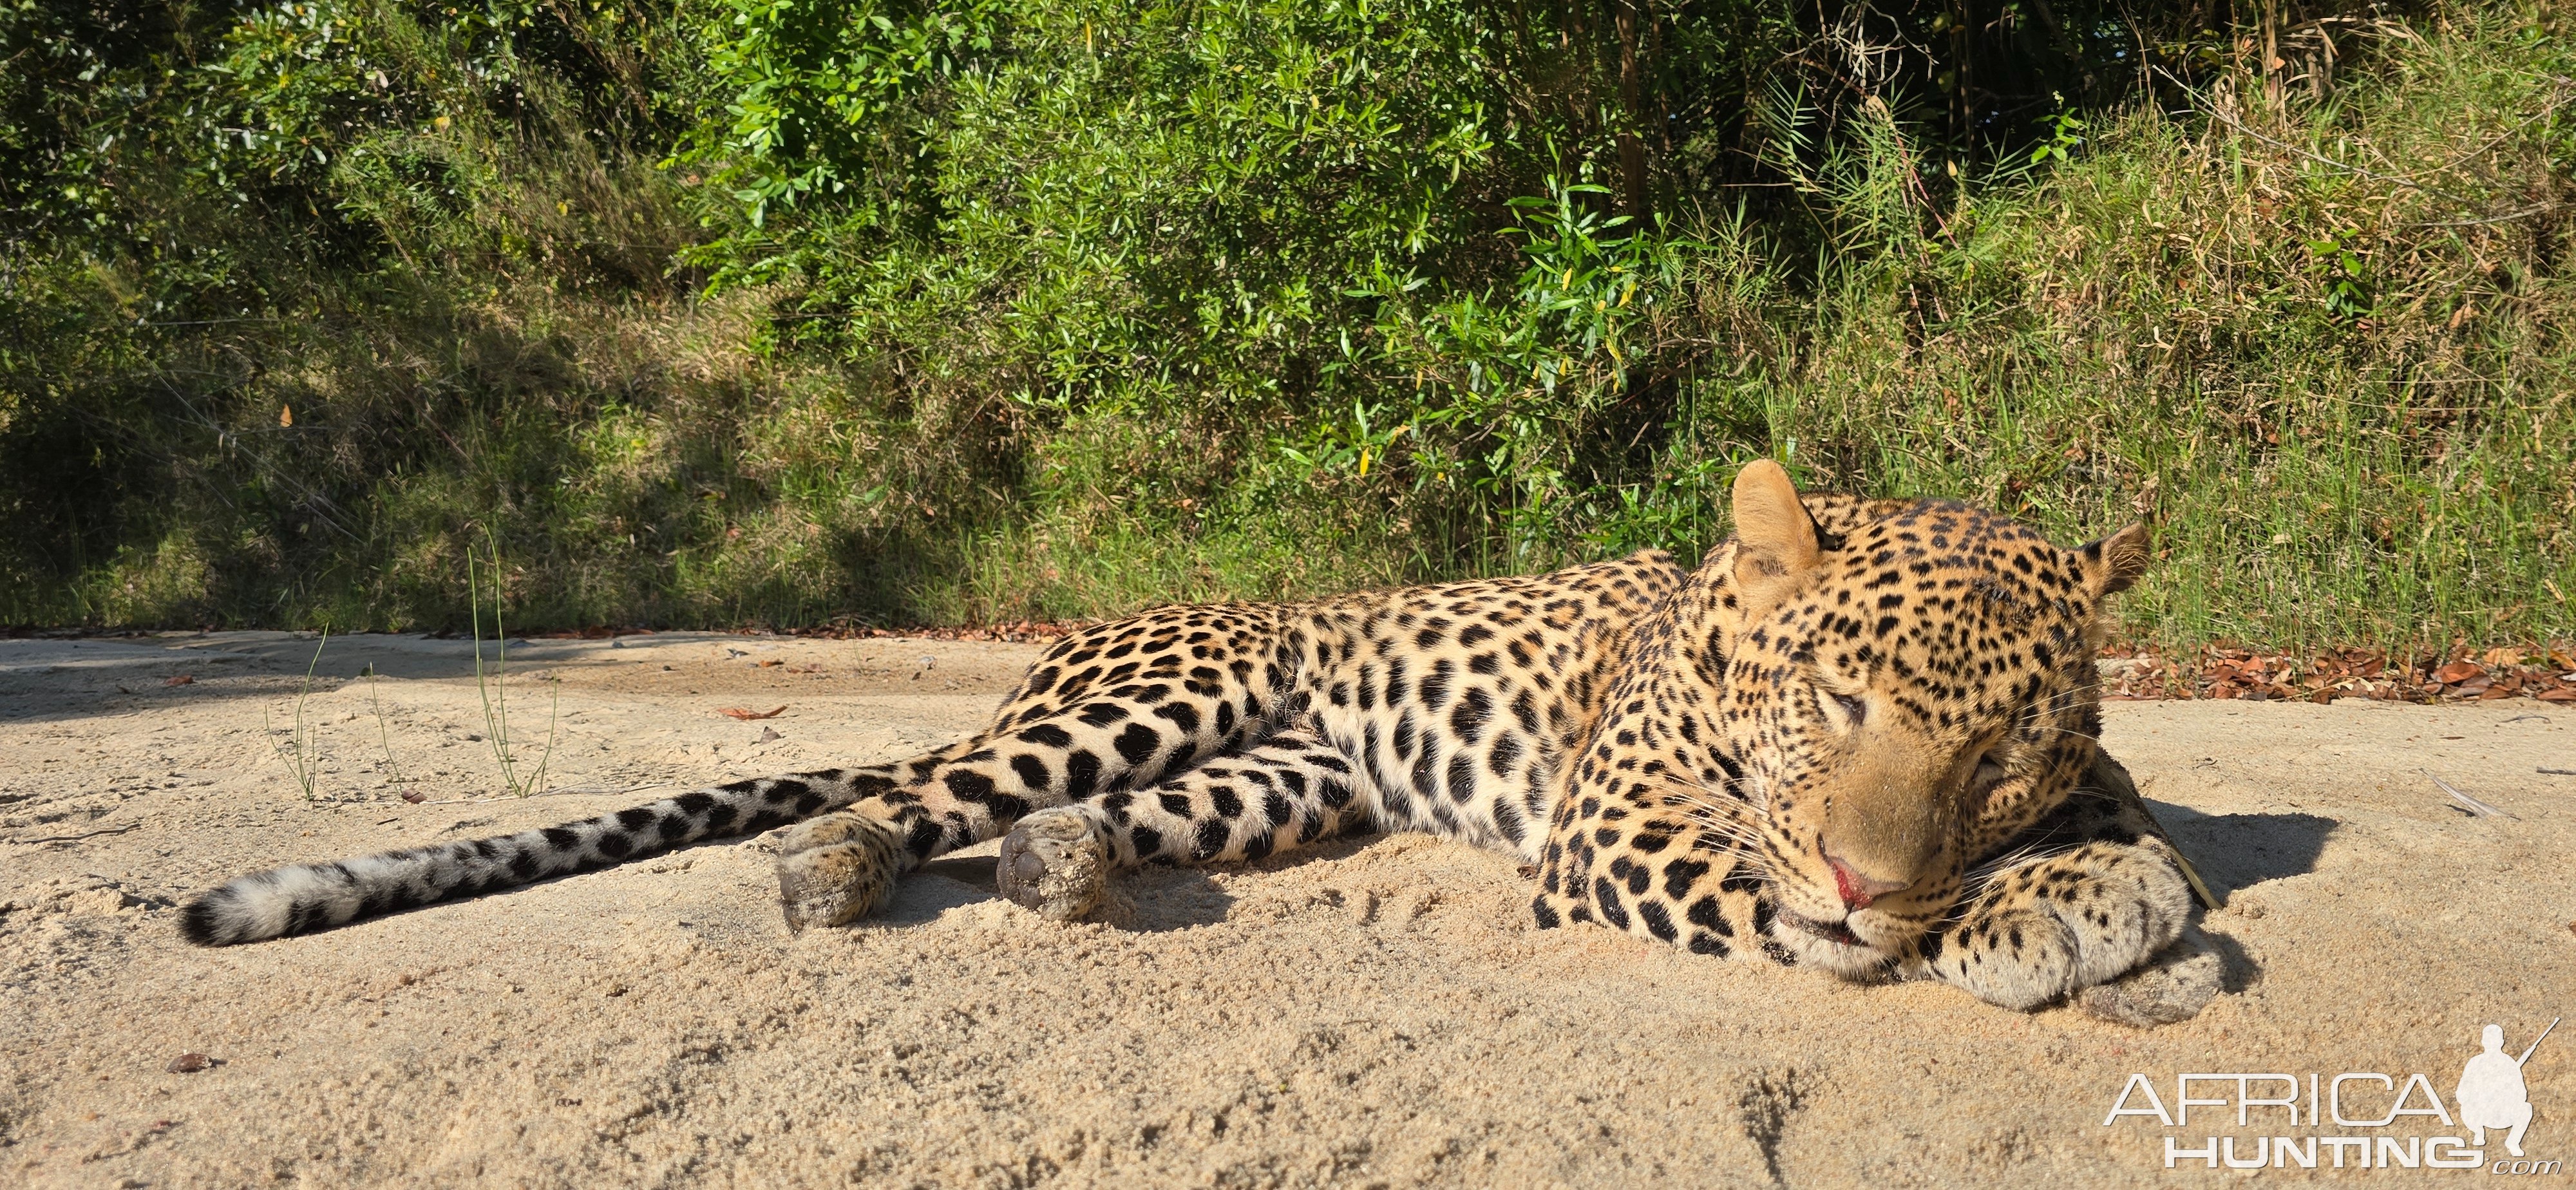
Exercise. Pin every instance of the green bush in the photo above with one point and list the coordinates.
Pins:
(732, 311)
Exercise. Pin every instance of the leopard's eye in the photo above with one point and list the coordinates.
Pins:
(1852, 707)
(1989, 770)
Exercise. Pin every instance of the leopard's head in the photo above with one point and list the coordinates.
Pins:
(1904, 686)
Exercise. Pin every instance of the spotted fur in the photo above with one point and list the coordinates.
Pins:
(1859, 737)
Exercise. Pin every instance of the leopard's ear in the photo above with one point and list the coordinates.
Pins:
(2115, 562)
(1775, 539)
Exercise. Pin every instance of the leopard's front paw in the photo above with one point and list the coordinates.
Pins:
(2065, 923)
(1056, 861)
(2015, 958)
(836, 869)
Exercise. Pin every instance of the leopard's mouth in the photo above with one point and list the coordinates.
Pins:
(1830, 931)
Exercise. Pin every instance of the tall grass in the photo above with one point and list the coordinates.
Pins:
(301, 750)
(1131, 324)
(492, 686)
(2320, 340)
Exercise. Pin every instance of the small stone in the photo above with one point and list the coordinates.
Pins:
(189, 1063)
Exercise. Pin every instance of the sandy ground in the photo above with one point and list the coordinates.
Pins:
(1380, 1013)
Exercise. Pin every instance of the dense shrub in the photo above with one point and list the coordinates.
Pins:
(721, 311)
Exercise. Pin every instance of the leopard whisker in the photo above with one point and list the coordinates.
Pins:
(2051, 727)
(1994, 869)
(1729, 816)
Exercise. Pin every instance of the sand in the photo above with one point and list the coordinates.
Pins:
(1377, 1013)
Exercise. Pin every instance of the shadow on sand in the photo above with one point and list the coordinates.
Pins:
(2234, 852)
(1148, 900)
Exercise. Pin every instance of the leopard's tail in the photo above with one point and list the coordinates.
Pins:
(305, 897)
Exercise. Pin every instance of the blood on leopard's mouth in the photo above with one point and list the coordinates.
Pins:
(1830, 931)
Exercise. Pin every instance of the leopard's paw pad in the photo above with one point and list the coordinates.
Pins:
(1056, 863)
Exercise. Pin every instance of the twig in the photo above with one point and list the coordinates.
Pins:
(2472, 805)
(2557, 772)
(2507, 217)
(113, 830)
(579, 790)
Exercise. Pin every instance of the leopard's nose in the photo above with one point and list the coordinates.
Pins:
(1857, 888)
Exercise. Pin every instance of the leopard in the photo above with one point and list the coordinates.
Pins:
(1862, 736)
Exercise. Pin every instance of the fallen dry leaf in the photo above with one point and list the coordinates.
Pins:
(189, 1063)
(739, 713)
(1022, 631)
(772, 663)
(2233, 671)
(2502, 655)
(181, 680)
(2559, 694)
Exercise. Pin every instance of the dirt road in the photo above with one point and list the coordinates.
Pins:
(1380, 1013)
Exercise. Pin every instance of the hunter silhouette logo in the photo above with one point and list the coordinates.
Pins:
(2491, 1094)
(2351, 1120)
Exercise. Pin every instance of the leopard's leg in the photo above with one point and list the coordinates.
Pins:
(842, 865)
(2103, 901)
(1289, 791)
(1661, 866)
(1106, 709)
(838, 867)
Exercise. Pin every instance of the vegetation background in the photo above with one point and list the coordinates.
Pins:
(786, 312)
